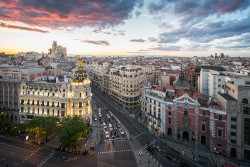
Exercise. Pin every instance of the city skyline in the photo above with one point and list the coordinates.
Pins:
(119, 27)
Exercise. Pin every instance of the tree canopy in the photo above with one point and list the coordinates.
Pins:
(72, 130)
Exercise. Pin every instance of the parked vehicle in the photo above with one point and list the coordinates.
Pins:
(170, 157)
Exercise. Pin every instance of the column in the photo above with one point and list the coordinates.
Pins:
(196, 126)
(175, 122)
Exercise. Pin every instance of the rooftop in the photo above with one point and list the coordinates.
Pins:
(216, 68)
(227, 96)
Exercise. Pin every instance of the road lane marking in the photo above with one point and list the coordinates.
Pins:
(46, 159)
(139, 134)
(15, 147)
(144, 147)
(31, 155)
(117, 151)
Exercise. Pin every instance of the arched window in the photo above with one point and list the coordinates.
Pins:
(245, 101)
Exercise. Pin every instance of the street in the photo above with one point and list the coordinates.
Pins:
(140, 137)
(111, 146)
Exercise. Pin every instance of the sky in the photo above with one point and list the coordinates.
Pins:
(127, 27)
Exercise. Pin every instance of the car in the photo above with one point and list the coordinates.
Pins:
(156, 147)
(95, 118)
(170, 157)
(140, 153)
(122, 132)
(107, 136)
(113, 135)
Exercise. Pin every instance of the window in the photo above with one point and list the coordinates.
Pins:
(245, 101)
(247, 131)
(47, 111)
(62, 105)
(233, 126)
(185, 112)
(80, 95)
(203, 113)
(80, 104)
(203, 127)
(219, 132)
(233, 141)
(219, 124)
(233, 133)
(219, 80)
(203, 119)
(219, 143)
(47, 103)
(22, 101)
(220, 117)
(169, 120)
(246, 110)
(219, 85)
(233, 119)
(169, 113)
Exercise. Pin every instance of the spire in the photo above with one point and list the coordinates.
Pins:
(181, 73)
(80, 65)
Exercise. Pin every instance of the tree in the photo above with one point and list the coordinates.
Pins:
(72, 130)
(5, 124)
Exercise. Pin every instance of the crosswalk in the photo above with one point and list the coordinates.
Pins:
(114, 151)
(115, 141)
(137, 145)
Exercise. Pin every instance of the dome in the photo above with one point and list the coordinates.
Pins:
(80, 75)
(182, 82)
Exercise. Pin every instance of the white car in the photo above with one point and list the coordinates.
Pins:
(122, 132)
(107, 136)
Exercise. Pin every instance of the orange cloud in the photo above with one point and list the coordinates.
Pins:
(22, 28)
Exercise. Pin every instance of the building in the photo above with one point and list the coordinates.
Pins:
(190, 75)
(30, 55)
(126, 84)
(197, 72)
(236, 102)
(58, 51)
(181, 85)
(212, 82)
(61, 99)
(184, 119)
(10, 80)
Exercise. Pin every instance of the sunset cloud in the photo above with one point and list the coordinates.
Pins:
(4, 25)
(64, 13)
(137, 40)
(100, 42)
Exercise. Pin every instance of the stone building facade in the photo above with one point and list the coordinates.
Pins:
(41, 98)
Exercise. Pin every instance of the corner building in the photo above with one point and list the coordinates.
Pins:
(41, 98)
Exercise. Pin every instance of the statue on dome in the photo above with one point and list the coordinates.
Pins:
(80, 65)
